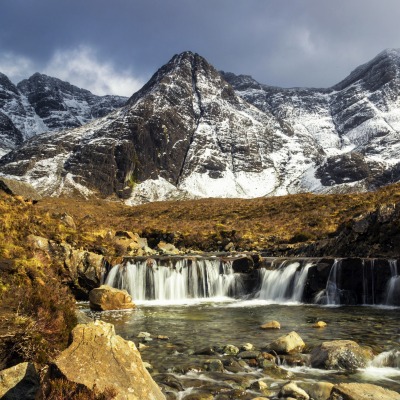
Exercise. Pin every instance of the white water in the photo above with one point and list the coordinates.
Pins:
(332, 285)
(393, 286)
(177, 282)
(284, 284)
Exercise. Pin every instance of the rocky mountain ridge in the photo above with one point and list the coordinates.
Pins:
(43, 103)
(194, 132)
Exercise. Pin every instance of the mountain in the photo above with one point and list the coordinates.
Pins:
(42, 103)
(357, 121)
(192, 131)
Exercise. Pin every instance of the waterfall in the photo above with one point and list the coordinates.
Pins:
(332, 291)
(177, 280)
(392, 294)
(284, 284)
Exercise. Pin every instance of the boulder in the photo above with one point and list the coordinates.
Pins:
(98, 358)
(271, 325)
(362, 391)
(292, 390)
(108, 298)
(287, 344)
(19, 382)
(340, 354)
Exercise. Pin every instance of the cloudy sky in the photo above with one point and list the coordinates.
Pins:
(114, 46)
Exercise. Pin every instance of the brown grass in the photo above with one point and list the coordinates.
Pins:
(208, 224)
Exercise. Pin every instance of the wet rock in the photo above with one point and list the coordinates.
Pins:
(292, 390)
(199, 396)
(249, 354)
(232, 365)
(277, 372)
(294, 360)
(97, 357)
(230, 350)
(320, 324)
(287, 344)
(340, 354)
(232, 394)
(263, 363)
(271, 325)
(108, 298)
(247, 347)
(19, 382)
(362, 391)
(169, 380)
(260, 386)
(143, 334)
(214, 365)
(317, 390)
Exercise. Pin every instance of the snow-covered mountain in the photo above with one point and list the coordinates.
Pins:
(42, 103)
(190, 133)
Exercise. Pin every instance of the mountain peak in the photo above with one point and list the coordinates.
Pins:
(376, 72)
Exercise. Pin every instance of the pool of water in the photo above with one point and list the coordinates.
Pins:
(219, 322)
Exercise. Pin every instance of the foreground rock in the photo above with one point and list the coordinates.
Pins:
(19, 382)
(107, 298)
(340, 354)
(362, 391)
(99, 358)
(288, 344)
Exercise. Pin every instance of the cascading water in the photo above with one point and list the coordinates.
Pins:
(332, 290)
(179, 280)
(284, 284)
(392, 296)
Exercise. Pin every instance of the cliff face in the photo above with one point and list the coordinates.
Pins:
(194, 132)
(42, 103)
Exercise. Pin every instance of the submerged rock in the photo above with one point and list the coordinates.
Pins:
(340, 354)
(362, 391)
(19, 382)
(108, 298)
(99, 358)
(287, 344)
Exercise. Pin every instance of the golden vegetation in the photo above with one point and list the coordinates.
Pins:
(208, 224)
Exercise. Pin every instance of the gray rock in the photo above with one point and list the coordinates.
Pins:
(19, 382)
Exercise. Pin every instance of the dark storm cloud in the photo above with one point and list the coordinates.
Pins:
(283, 43)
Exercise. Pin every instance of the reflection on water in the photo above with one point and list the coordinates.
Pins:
(191, 327)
